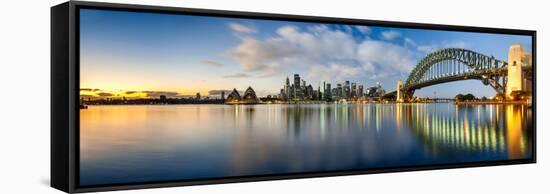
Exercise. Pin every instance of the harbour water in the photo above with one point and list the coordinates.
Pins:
(144, 143)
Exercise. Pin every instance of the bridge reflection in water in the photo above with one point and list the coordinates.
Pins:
(493, 128)
(441, 127)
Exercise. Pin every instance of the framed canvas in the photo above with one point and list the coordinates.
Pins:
(148, 96)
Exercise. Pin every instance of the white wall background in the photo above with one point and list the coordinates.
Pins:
(24, 95)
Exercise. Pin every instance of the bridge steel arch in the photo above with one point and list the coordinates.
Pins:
(454, 64)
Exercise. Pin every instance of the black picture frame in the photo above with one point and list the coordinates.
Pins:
(65, 93)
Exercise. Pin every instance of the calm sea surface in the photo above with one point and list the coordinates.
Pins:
(135, 143)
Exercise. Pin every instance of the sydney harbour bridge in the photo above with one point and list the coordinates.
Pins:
(455, 64)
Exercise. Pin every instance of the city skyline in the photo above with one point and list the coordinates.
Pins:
(178, 55)
(306, 87)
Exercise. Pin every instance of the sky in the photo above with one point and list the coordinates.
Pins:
(138, 54)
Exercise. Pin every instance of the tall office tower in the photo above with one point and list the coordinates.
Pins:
(322, 90)
(304, 91)
(346, 90)
(339, 90)
(298, 93)
(353, 90)
(360, 92)
(297, 80)
(287, 89)
(223, 95)
(309, 90)
(328, 93)
(291, 92)
(315, 95)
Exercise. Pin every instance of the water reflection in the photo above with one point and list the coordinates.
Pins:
(153, 143)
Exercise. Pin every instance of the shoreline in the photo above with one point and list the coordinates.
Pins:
(490, 102)
(331, 103)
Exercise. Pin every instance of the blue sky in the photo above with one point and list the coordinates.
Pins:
(129, 51)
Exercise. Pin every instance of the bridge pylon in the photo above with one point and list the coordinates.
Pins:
(399, 97)
(516, 82)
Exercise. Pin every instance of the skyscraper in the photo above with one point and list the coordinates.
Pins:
(309, 92)
(303, 88)
(339, 90)
(298, 93)
(322, 90)
(328, 93)
(291, 92)
(360, 92)
(223, 95)
(296, 80)
(286, 94)
(353, 90)
(346, 90)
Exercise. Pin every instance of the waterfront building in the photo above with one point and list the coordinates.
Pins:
(233, 97)
(249, 96)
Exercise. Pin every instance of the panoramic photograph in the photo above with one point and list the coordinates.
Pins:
(172, 97)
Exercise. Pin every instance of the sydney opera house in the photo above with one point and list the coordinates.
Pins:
(249, 97)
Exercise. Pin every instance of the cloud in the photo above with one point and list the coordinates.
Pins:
(336, 72)
(87, 96)
(254, 55)
(391, 57)
(89, 90)
(409, 42)
(219, 92)
(212, 63)
(292, 47)
(363, 29)
(240, 28)
(456, 44)
(154, 94)
(237, 75)
(157, 94)
(390, 35)
(105, 94)
(425, 49)
(323, 52)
